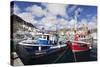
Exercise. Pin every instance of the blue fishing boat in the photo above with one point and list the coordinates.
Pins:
(43, 44)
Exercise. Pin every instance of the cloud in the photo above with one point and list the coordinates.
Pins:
(28, 17)
(94, 19)
(56, 9)
(50, 12)
(90, 24)
(16, 9)
(49, 22)
(93, 23)
(63, 24)
(72, 8)
(84, 21)
(72, 22)
(36, 10)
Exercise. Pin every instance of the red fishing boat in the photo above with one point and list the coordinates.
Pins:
(80, 44)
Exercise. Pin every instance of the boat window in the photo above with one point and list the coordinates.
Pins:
(45, 37)
(37, 37)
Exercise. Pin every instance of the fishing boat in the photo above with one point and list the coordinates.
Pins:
(41, 45)
(80, 43)
(80, 39)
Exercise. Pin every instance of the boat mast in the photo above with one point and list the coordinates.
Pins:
(75, 24)
(75, 29)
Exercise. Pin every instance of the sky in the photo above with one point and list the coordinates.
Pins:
(54, 16)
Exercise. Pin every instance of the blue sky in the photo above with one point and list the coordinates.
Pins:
(44, 13)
